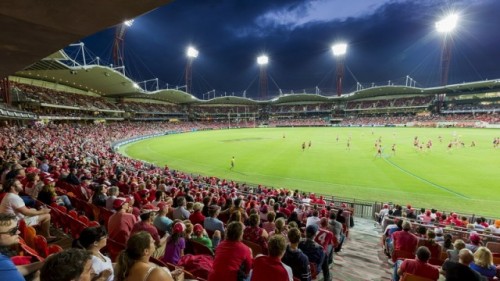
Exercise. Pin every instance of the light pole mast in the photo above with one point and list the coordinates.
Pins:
(262, 61)
(339, 51)
(191, 53)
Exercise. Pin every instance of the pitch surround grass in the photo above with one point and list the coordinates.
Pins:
(460, 178)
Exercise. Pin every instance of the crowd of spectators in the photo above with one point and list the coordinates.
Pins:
(390, 103)
(40, 162)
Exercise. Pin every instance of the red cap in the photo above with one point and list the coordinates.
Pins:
(198, 229)
(48, 180)
(118, 203)
(178, 227)
(149, 208)
(162, 205)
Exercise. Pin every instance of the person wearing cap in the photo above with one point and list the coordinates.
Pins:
(175, 244)
(270, 267)
(12, 203)
(48, 195)
(495, 228)
(418, 266)
(200, 236)
(197, 216)
(384, 212)
(233, 259)
(212, 223)
(474, 242)
(161, 221)
(311, 249)
(460, 271)
(120, 224)
(146, 224)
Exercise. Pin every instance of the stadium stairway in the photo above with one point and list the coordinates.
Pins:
(362, 257)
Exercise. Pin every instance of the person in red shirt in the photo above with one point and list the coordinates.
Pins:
(270, 267)
(418, 266)
(404, 240)
(121, 223)
(197, 217)
(233, 259)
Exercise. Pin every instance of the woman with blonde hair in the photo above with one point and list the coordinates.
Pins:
(133, 263)
(483, 263)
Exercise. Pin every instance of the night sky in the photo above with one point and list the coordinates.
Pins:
(387, 41)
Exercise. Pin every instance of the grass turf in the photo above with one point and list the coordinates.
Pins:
(465, 179)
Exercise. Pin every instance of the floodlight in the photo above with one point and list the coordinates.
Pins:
(192, 52)
(262, 60)
(339, 49)
(447, 24)
(136, 85)
(128, 22)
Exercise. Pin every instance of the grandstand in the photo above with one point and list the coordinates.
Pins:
(63, 124)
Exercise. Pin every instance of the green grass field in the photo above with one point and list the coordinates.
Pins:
(465, 179)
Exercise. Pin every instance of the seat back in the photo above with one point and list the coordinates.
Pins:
(494, 247)
(29, 236)
(400, 254)
(104, 215)
(411, 277)
(256, 248)
(114, 248)
(200, 249)
(54, 249)
(41, 246)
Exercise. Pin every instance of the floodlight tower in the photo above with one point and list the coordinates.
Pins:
(118, 44)
(262, 61)
(446, 27)
(191, 54)
(339, 50)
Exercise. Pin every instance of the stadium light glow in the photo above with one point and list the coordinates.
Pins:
(262, 60)
(128, 23)
(192, 52)
(339, 49)
(136, 85)
(447, 24)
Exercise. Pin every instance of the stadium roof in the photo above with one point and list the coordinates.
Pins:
(32, 30)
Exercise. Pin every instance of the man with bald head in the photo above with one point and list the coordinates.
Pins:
(460, 271)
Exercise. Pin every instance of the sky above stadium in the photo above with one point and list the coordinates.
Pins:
(387, 40)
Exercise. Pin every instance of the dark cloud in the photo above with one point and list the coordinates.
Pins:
(395, 40)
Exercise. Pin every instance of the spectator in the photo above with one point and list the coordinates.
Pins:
(311, 249)
(175, 244)
(212, 223)
(270, 267)
(336, 228)
(133, 263)
(48, 195)
(99, 198)
(458, 271)
(474, 242)
(269, 225)
(71, 264)
(483, 263)
(146, 224)
(458, 245)
(197, 216)
(295, 258)
(255, 233)
(233, 259)
(313, 219)
(404, 240)
(13, 204)
(181, 213)
(120, 224)
(325, 239)
(9, 236)
(431, 244)
(161, 221)
(419, 266)
(200, 236)
(447, 244)
(93, 239)
(113, 194)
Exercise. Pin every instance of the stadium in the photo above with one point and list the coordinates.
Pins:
(88, 150)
